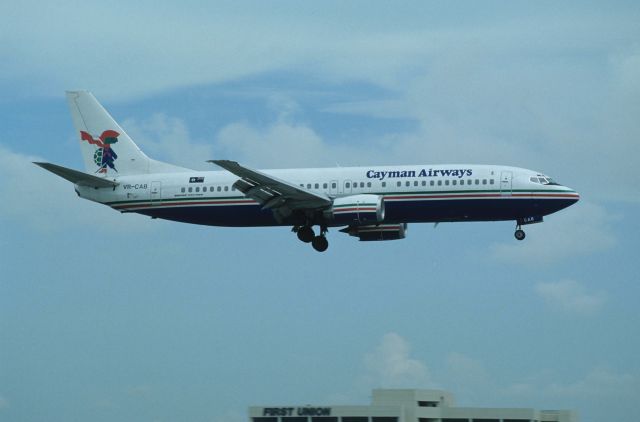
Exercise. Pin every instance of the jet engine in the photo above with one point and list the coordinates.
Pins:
(356, 210)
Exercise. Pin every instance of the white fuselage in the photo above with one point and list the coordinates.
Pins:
(371, 203)
(429, 193)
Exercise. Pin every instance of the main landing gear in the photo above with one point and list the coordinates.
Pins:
(519, 234)
(306, 234)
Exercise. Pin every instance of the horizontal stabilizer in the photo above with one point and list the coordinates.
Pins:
(77, 177)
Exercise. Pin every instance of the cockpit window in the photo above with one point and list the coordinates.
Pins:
(543, 180)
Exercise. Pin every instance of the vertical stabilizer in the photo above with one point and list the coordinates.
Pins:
(106, 148)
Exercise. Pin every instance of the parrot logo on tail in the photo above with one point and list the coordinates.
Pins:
(104, 156)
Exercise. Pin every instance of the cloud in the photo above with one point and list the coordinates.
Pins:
(570, 296)
(138, 49)
(168, 138)
(278, 145)
(228, 41)
(389, 365)
(583, 229)
(46, 203)
(286, 142)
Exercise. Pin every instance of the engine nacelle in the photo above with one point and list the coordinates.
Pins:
(378, 232)
(356, 210)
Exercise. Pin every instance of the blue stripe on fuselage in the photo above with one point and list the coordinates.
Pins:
(397, 211)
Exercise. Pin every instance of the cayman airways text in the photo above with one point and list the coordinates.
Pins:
(390, 174)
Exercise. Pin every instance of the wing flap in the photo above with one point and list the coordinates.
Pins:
(272, 192)
(77, 177)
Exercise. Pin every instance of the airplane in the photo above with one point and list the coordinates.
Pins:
(371, 203)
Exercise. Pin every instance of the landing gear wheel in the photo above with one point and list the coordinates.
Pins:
(519, 234)
(306, 234)
(320, 243)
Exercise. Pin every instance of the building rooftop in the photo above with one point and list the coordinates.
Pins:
(405, 405)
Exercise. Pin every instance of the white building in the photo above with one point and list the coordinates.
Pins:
(406, 406)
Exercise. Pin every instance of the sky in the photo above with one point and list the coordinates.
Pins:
(111, 317)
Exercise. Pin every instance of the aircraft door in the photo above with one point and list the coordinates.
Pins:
(156, 193)
(506, 178)
(333, 187)
(346, 186)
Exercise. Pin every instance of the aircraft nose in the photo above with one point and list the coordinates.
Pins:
(572, 195)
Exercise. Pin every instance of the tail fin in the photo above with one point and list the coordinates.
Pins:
(106, 148)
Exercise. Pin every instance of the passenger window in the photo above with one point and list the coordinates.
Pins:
(399, 184)
(491, 181)
(462, 182)
(182, 190)
(308, 185)
(361, 184)
(333, 186)
(446, 182)
(384, 184)
(368, 184)
(439, 182)
(424, 183)
(325, 185)
(415, 183)
(317, 185)
(407, 183)
(431, 183)
(454, 182)
(226, 188)
(484, 181)
(190, 189)
(477, 181)
(197, 188)
(347, 185)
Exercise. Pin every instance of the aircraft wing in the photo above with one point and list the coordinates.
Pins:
(77, 177)
(273, 193)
